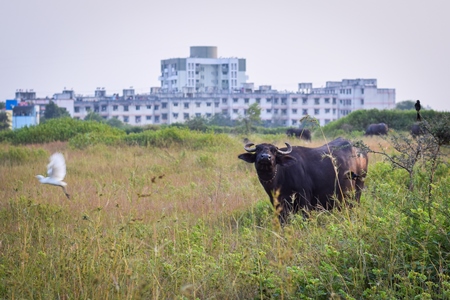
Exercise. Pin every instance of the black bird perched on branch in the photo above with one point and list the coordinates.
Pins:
(418, 107)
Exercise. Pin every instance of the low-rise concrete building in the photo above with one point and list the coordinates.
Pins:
(326, 104)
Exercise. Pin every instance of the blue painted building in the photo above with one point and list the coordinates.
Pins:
(25, 116)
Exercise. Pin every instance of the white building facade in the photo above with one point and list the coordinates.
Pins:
(202, 72)
(326, 104)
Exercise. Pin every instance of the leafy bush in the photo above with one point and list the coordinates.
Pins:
(19, 155)
(6, 136)
(61, 129)
(169, 136)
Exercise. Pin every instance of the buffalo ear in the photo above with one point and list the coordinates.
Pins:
(285, 160)
(248, 157)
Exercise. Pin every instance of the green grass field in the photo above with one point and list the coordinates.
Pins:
(179, 222)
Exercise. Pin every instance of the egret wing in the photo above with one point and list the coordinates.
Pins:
(57, 167)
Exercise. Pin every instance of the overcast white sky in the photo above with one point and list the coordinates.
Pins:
(48, 45)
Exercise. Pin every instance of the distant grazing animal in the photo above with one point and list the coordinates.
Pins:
(416, 130)
(418, 107)
(56, 171)
(300, 133)
(377, 129)
(300, 178)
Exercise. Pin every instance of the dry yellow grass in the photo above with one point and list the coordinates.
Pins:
(149, 182)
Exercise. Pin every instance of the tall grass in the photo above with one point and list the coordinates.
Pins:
(174, 222)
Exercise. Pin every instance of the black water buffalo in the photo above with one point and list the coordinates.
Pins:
(297, 178)
(300, 133)
(377, 129)
(416, 130)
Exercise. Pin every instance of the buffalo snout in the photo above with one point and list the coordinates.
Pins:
(265, 156)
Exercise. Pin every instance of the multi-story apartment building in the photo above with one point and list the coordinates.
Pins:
(203, 85)
(326, 104)
(202, 71)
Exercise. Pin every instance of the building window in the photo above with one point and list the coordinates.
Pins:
(224, 100)
(164, 105)
(125, 119)
(224, 111)
(268, 100)
(186, 116)
(186, 104)
(258, 100)
(138, 107)
(235, 111)
(156, 107)
(197, 104)
(294, 100)
(175, 115)
(327, 100)
(246, 100)
(317, 101)
(208, 103)
(304, 100)
(316, 111)
(88, 108)
(175, 103)
(284, 111)
(96, 109)
(294, 122)
(149, 107)
(77, 109)
(235, 100)
(216, 104)
(327, 121)
(362, 101)
(148, 118)
(156, 119)
(334, 100)
(334, 111)
(283, 100)
(275, 101)
(245, 112)
(275, 111)
(198, 115)
(164, 116)
(103, 107)
(362, 91)
(304, 112)
(137, 119)
(125, 108)
(327, 110)
(269, 111)
(115, 107)
(294, 110)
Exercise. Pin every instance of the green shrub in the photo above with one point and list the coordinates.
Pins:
(19, 155)
(61, 129)
(169, 136)
(6, 136)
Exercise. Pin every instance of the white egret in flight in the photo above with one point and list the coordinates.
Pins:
(56, 171)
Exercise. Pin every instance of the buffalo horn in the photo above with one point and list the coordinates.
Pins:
(288, 150)
(248, 149)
